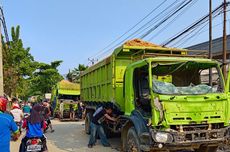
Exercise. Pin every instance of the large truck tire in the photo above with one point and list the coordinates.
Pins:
(133, 142)
(88, 119)
(205, 148)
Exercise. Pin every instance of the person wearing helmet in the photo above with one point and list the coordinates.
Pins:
(7, 126)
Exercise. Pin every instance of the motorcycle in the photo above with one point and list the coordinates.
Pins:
(34, 145)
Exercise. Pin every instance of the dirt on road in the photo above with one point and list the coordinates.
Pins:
(70, 137)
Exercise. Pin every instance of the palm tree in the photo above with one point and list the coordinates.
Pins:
(74, 75)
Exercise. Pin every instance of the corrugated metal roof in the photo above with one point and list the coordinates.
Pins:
(217, 46)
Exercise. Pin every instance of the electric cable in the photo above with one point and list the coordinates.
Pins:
(197, 23)
(151, 12)
(169, 15)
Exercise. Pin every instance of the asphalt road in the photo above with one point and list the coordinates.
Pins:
(70, 137)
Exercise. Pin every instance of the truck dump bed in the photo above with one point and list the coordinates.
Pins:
(103, 82)
(68, 88)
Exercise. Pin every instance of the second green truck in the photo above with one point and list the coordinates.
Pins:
(69, 94)
(163, 98)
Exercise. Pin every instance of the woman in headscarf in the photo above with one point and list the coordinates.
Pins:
(35, 125)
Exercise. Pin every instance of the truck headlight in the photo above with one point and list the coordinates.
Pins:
(162, 137)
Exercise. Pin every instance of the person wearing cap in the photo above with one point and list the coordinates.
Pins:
(17, 114)
(7, 126)
(99, 116)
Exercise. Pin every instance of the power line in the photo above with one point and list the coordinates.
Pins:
(164, 20)
(172, 5)
(4, 24)
(151, 12)
(146, 26)
(200, 31)
(168, 15)
(173, 20)
(194, 25)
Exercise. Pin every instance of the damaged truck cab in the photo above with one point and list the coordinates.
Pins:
(180, 108)
(163, 96)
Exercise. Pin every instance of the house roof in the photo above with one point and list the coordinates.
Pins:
(217, 46)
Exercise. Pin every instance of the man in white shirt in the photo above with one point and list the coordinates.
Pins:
(18, 115)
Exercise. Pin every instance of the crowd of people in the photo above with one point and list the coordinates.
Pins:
(15, 116)
(35, 119)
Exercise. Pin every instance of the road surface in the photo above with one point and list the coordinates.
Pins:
(70, 137)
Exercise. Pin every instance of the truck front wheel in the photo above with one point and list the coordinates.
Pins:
(205, 148)
(87, 122)
(133, 143)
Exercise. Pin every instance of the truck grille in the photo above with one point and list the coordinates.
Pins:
(202, 135)
(197, 133)
(194, 127)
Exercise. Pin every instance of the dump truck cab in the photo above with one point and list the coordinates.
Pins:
(178, 106)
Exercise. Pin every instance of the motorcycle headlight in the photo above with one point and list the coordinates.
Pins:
(162, 137)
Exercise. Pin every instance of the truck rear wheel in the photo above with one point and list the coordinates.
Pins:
(133, 143)
(88, 119)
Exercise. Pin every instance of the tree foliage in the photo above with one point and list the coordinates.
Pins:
(18, 64)
(74, 75)
(44, 78)
(23, 76)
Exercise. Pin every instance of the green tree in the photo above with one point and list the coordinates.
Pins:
(44, 78)
(74, 75)
(18, 64)
(23, 76)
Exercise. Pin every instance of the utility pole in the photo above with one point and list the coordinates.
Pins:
(1, 65)
(92, 60)
(2, 25)
(210, 40)
(224, 43)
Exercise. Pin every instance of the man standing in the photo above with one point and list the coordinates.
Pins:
(6, 126)
(99, 117)
(47, 114)
(71, 111)
(61, 108)
(18, 115)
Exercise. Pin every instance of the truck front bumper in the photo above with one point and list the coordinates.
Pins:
(186, 139)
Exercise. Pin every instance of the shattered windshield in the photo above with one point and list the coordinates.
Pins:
(186, 78)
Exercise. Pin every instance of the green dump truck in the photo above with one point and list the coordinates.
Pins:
(163, 97)
(69, 94)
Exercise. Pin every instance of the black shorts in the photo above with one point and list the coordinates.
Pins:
(48, 121)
